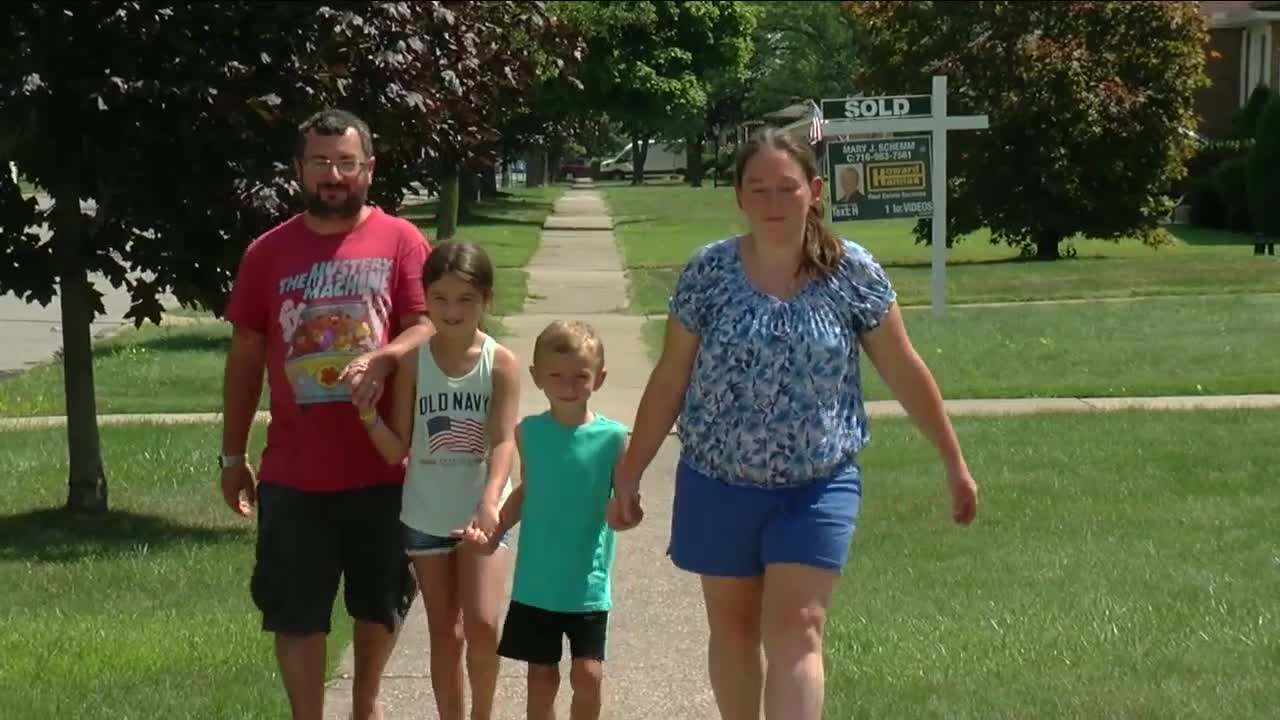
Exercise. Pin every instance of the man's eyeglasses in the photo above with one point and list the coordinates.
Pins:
(345, 167)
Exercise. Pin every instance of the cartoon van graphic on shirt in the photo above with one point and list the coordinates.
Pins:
(342, 315)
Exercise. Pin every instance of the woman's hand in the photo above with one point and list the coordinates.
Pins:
(964, 495)
(624, 511)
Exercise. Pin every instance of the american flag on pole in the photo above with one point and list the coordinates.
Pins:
(464, 436)
(815, 124)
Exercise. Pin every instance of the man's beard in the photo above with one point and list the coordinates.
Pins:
(345, 209)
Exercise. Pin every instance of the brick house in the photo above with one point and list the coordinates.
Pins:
(1244, 52)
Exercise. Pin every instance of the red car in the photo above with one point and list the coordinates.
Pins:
(575, 168)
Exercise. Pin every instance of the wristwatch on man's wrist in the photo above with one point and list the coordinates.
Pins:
(230, 461)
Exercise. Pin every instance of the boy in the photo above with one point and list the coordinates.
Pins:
(566, 549)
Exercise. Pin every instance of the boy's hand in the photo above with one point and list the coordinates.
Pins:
(483, 544)
(485, 521)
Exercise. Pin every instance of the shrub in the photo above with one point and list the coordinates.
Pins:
(1208, 207)
(1244, 122)
(1263, 175)
(1230, 180)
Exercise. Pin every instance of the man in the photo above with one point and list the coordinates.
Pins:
(335, 282)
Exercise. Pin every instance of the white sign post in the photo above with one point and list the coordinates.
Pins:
(870, 115)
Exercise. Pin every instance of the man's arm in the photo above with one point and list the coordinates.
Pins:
(367, 374)
(417, 330)
(242, 388)
(241, 391)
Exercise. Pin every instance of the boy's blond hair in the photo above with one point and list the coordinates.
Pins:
(569, 336)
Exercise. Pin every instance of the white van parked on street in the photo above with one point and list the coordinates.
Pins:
(661, 159)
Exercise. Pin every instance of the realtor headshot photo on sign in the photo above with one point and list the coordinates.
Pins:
(850, 183)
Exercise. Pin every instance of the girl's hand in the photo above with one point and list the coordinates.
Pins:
(485, 545)
(485, 521)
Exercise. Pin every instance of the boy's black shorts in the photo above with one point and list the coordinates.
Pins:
(534, 635)
(307, 541)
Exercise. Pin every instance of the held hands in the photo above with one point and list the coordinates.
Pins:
(366, 376)
(624, 511)
(482, 531)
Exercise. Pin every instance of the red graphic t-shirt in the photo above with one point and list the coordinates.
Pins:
(321, 301)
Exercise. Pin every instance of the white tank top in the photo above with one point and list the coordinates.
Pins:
(449, 453)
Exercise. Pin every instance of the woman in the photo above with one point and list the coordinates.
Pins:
(760, 364)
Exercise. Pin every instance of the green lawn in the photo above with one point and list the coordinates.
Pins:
(144, 612)
(509, 228)
(174, 368)
(166, 369)
(1116, 570)
(1160, 346)
(660, 225)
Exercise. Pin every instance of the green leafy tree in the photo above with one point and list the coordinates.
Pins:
(183, 138)
(1090, 105)
(497, 54)
(1244, 122)
(647, 64)
(803, 51)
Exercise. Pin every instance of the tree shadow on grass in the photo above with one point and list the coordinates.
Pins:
(632, 220)
(56, 536)
(493, 220)
(1203, 236)
(170, 342)
(1026, 261)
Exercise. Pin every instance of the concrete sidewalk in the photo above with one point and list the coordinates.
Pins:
(624, 388)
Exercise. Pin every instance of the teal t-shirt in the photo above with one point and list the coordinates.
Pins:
(566, 547)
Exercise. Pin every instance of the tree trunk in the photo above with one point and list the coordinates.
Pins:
(468, 193)
(555, 153)
(447, 209)
(639, 151)
(489, 183)
(535, 167)
(1047, 242)
(693, 159)
(715, 165)
(86, 481)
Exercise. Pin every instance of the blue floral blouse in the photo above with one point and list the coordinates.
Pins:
(775, 398)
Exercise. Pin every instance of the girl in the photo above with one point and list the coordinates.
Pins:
(761, 365)
(455, 404)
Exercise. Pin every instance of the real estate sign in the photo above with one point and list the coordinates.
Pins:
(880, 179)
(888, 106)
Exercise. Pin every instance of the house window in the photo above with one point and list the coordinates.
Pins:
(1256, 71)
(1245, 57)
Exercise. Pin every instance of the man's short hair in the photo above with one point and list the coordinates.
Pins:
(333, 121)
(569, 336)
